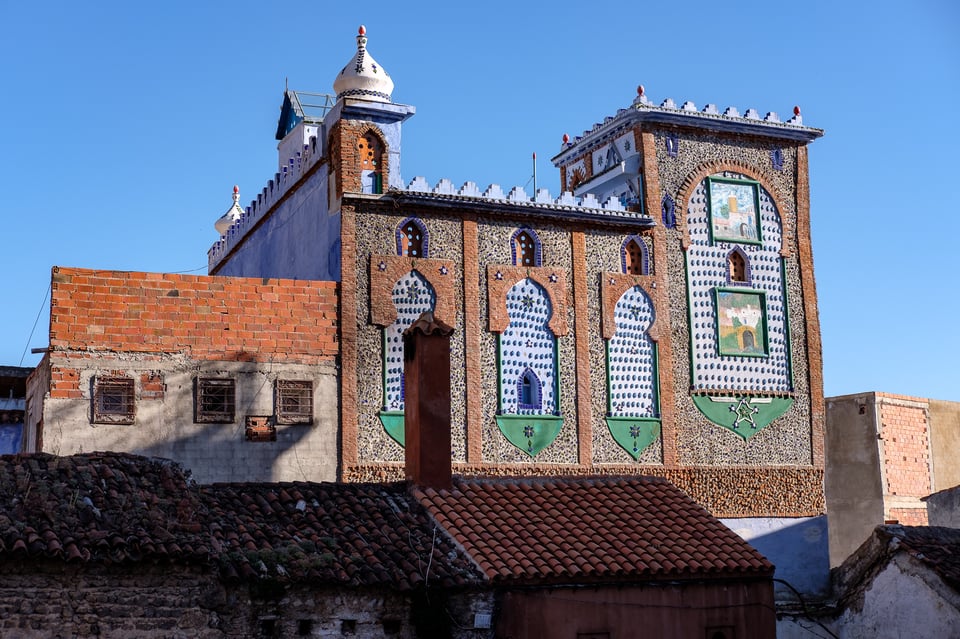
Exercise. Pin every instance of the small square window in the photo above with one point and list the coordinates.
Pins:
(216, 400)
(294, 402)
(113, 400)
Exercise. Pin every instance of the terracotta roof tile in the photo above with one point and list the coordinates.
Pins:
(608, 528)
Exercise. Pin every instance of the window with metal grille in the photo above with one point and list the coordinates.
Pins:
(216, 400)
(294, 402)
(113, 400)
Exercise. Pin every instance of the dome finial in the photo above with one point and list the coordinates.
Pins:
(363, 78)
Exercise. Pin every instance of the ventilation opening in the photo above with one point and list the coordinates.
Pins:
(738, 267)
(634, 255)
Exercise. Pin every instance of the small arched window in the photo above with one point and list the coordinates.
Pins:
(634, 259)
(526, 248)
(412, 238)
(529, 391)
(370, 155)
(738, 267)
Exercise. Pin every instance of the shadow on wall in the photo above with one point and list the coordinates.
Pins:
(797, 547)
(222, 453)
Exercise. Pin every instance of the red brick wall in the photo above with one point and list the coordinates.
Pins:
(905, 437)
(205, 317)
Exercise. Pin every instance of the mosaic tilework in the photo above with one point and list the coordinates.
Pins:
(527, 362)
(376, 234)
(603, 255)
(412, 296)
(707, 269)
(631, 358)
(699, 442)
(494, 248)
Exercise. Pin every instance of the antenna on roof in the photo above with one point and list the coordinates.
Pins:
(286, 84)
(534, 175)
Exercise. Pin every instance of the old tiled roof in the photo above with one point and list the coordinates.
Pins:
(115, 507)
(601, 529)
(119, 508)
(935, 546)
(109, 507)
(352, 534)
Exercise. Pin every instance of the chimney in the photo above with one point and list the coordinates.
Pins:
(426, 383)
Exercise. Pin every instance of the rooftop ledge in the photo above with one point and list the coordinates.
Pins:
(710, 117)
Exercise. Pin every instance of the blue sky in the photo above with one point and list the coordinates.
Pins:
(125, 126)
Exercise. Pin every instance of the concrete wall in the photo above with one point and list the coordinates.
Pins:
(852, 479)
(904, 600)
(164, 425)
(943, 508)
(944, 443)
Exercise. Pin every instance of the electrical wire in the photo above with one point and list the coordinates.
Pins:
(39, 312)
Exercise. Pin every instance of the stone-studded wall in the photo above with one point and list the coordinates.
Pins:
(789, 439)
(376, 235)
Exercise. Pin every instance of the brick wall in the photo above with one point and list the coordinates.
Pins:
(222, 318)
(905, 448)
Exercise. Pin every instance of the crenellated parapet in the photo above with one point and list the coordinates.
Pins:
(710, 117)
(494, 195)
(273, 192)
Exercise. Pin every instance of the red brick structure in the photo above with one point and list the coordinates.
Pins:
(171, 365)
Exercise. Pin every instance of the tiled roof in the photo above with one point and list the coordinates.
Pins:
(109, 507)
(935, 546)
(600, 529)
(351, 534)
(121, 508)
(115, 507)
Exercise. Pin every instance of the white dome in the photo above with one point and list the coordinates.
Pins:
(232, 215)
(362, 77)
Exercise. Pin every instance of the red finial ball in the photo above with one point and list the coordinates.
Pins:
(363, 30)
(796, 110)
(566, 138)
(236, 189)
(640, 90)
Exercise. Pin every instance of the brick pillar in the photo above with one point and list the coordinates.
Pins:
(426, 372)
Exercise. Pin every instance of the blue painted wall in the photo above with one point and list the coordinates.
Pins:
(796, 546)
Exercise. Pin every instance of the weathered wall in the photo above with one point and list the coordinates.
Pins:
(738, 608)
(943, 508)
(852, 479)
(944, 443)
(905, 597)
(153, 602)
(164, 425)
(165, 331)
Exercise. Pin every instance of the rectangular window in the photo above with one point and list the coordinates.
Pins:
(216, 400)
(113, 400)
(294, 402)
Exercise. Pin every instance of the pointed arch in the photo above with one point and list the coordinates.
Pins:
(631, 358)
(413, 239)
(738, 267)
(371, 148)
(668, 212)
(412, 295)
(528, 358)
(525, 247)
(634, 256)
(529, 391)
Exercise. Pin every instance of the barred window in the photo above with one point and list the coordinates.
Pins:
(294, 402)
(113, 400)
(216, 400)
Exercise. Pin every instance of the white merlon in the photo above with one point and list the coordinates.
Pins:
(752, 114)
(711, 109)
(668, 104)
(731, 112)
(542, 197)
(688, 106)
(771, 117)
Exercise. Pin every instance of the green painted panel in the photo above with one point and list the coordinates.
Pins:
(393, 423)
(634, 434)
(743, 414)
(530, 433)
